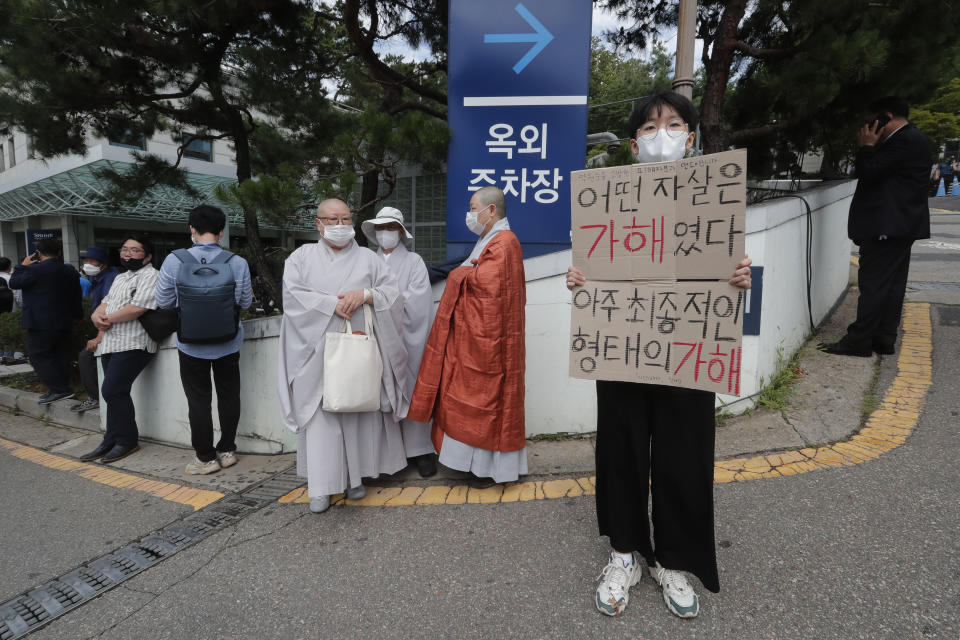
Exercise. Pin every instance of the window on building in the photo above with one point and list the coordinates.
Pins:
(3, 165)
(130, 140)
(13, 155)
(30, 152)
(197, 148)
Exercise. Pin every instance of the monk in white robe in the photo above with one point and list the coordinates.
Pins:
(392, 238)
(323, 284)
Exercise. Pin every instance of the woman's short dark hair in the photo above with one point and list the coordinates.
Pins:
(144, 241)
(655, 103)
(207, 219)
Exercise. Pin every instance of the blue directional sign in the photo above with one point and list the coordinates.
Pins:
(519, 74)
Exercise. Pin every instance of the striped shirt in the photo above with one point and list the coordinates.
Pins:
(136, 288)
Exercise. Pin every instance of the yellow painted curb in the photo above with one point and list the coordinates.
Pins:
(885, 429)
(196, 498)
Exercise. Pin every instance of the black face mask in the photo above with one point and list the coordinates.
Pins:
(131, 264)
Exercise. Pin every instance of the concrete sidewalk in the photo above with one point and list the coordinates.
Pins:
(826, 406)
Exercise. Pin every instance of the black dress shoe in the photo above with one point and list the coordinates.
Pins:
(119, 451)
(98, 452)
(885, 350)
(842, 349)
(426, 465)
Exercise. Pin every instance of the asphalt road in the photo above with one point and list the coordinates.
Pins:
(869, 551)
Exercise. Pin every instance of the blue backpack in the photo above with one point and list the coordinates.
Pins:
(206, 292)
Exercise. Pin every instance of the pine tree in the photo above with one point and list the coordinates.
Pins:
(114, 68)
(789, 75)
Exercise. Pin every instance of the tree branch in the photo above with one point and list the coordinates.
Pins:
(416, 106)
(364, 47)
(756, 132)
(768, 54)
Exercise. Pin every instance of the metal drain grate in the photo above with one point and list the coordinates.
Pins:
(35, 608)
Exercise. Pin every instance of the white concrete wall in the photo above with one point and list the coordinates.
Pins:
(776, 240)
(162, 407)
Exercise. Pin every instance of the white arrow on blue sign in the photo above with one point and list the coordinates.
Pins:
(517, 106)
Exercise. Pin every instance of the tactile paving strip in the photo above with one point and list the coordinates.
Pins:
(37, 607)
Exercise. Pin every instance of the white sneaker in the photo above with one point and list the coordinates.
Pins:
(319, 505)
(227, 458)
(200, 468)
(356, 493)
(677, 592)
(613, 594)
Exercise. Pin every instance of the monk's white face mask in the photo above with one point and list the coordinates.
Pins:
(472, 221)
(339, 234)
(388, 238)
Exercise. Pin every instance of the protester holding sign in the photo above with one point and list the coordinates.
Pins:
(657, 438)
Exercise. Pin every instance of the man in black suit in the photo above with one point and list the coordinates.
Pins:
(51, 304)
(889, 211)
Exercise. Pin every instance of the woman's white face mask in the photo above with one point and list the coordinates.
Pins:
(388, 238)
(662, 145)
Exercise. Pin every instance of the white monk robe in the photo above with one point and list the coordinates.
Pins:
(336, 450)
(414, 282)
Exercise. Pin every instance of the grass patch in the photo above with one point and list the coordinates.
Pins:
(721, 418)
(24, 382)
(30, 381)
(561, 436)
(871, 400)
(776, 395)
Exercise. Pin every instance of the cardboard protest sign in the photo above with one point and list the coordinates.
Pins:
(685, 334)
(680, 220)
(657, 243)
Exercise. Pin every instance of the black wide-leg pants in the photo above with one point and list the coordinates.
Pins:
(660, 440)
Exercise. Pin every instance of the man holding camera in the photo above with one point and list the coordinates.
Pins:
(51, 304)
(889, 211)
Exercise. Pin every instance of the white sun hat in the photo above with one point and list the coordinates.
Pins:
(385, 216)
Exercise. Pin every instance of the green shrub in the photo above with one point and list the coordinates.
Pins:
(13, 337)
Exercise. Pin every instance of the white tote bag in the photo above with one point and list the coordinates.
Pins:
(352, 369)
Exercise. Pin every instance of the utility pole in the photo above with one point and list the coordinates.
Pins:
(686, 36)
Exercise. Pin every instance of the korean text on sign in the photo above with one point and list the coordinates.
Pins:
(687, 334)
(522, 182)
(669, 220)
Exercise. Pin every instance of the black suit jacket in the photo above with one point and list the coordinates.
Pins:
(51, 294)
(891, 195)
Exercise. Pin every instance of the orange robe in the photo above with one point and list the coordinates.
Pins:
(471, 379)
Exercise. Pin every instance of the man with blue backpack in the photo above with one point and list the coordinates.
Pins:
(209, 286)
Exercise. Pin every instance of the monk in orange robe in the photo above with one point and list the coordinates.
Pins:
(471, 380)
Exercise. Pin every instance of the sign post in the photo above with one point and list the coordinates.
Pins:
(519, 76)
